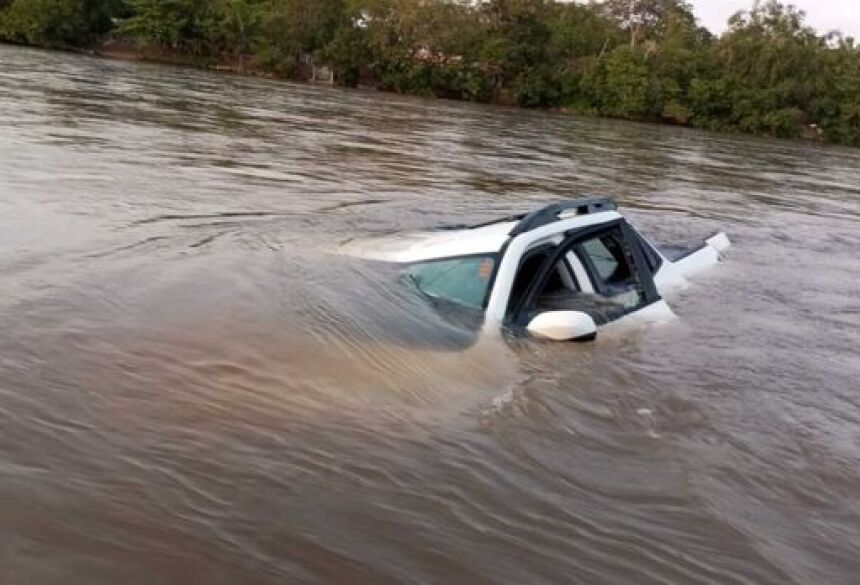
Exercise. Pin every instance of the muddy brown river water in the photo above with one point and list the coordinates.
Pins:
(194, 389)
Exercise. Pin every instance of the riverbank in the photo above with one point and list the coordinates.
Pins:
(307, 72)
(535, 54)
(128, 51)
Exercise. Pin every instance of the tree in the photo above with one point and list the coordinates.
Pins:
(769, 73)
(57, 22)
(771, 63)
(646, 18)
(233, 28)
(290, 29)
(169, 24)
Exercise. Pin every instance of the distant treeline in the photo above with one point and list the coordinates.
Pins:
(648, 60)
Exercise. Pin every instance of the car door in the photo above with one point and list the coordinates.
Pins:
(612, 277)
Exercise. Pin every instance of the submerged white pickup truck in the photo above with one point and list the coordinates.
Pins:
(557, 273)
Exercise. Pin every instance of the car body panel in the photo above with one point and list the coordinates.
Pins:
(676, 274)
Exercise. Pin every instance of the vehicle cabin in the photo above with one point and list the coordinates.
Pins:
(559, 272)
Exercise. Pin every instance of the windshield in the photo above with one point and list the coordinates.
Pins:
(464, 280)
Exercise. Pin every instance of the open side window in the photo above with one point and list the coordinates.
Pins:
(557, 278)
(619, 276)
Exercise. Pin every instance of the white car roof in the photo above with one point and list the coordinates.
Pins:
(489, 238)
(412, 247)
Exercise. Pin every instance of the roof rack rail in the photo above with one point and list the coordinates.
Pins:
(550, 213)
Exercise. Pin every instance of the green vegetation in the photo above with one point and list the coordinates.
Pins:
(633, 59)
(57, 22)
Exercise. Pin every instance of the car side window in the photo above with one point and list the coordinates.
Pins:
(605, 254)
(526, 275)
(611, 266)
(561, 279)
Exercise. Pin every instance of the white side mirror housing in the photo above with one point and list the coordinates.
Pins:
(563, 326)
